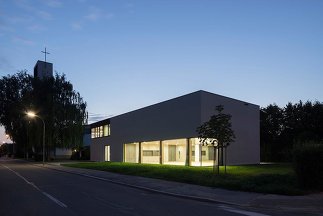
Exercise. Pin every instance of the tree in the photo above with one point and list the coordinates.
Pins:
(217, 132)
(64, 113)
(271, 127)
(54, 99)
(283, 129)
(15, 91)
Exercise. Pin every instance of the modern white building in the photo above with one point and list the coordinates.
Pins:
(165, 133)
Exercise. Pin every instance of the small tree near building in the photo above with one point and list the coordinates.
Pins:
(217, 132)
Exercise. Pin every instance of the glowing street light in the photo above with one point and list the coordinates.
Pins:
(31, 114)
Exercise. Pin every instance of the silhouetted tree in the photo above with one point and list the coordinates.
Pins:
(54, 99)
(15, 95)
(284, 128)
(217, 132)
(271, 121)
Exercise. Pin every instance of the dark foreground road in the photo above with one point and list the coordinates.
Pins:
(26, 189)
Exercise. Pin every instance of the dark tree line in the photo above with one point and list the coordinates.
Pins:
(54, 99)
(283, 129)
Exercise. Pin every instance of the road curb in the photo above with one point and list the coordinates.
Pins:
(84, 173)
(197, 198)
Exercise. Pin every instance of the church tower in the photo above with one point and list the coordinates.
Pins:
(43, 69)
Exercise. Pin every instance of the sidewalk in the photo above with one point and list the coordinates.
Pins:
(308, 204)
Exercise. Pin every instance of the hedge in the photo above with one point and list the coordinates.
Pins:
(308, 165)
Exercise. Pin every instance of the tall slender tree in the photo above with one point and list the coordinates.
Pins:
(217, 132)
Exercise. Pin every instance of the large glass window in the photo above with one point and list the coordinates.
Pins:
(201, 155)
(150, 152)
(101, 131)
(106, 130)
(131, 152)
(92, 132)
(107, 153)
(174, 151)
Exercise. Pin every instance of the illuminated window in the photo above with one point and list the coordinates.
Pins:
(100, 131)
(147, 153)
(93, 133)
(131, 152)
(96, 132)
(106, 130)
(201, 155)
(174, 151)
(150, 153)
(107, 153)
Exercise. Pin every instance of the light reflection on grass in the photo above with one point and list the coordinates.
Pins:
(274, 178)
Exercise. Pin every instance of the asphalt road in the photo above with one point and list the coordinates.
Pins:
(26, 189)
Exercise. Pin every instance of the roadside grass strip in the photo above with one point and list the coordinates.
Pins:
(273, 178)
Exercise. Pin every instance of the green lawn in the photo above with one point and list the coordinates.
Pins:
(277, 179)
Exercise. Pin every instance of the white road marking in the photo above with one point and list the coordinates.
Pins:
(95, 177)
(243, 212)
(55, 200)
(37, 188)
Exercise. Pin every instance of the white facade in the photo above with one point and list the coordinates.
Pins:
(165, 133)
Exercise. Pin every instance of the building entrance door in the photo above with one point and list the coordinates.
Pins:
(172, 153)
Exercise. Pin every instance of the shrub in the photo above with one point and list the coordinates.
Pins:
(308, 165)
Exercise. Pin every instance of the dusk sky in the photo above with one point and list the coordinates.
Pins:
(124, 54)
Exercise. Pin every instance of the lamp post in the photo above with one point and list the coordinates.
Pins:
(31, 114)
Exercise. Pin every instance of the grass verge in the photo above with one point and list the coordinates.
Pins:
(275, 179)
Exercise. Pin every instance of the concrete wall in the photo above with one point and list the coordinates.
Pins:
(245, 123)
(178, 118)
(172, 119)
(97, 149)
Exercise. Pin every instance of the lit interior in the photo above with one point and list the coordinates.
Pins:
(101, 131)
(131, 152)
(173, 152)
(107, 153)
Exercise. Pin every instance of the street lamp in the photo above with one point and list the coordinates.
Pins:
(31, 114)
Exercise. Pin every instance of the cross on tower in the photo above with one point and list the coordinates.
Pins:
(45, 52)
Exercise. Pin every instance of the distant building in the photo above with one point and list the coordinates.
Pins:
(43, 70)
(86, 135)
(61, 153)
(165, 133)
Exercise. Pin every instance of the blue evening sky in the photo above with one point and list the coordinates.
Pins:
(125, 54)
